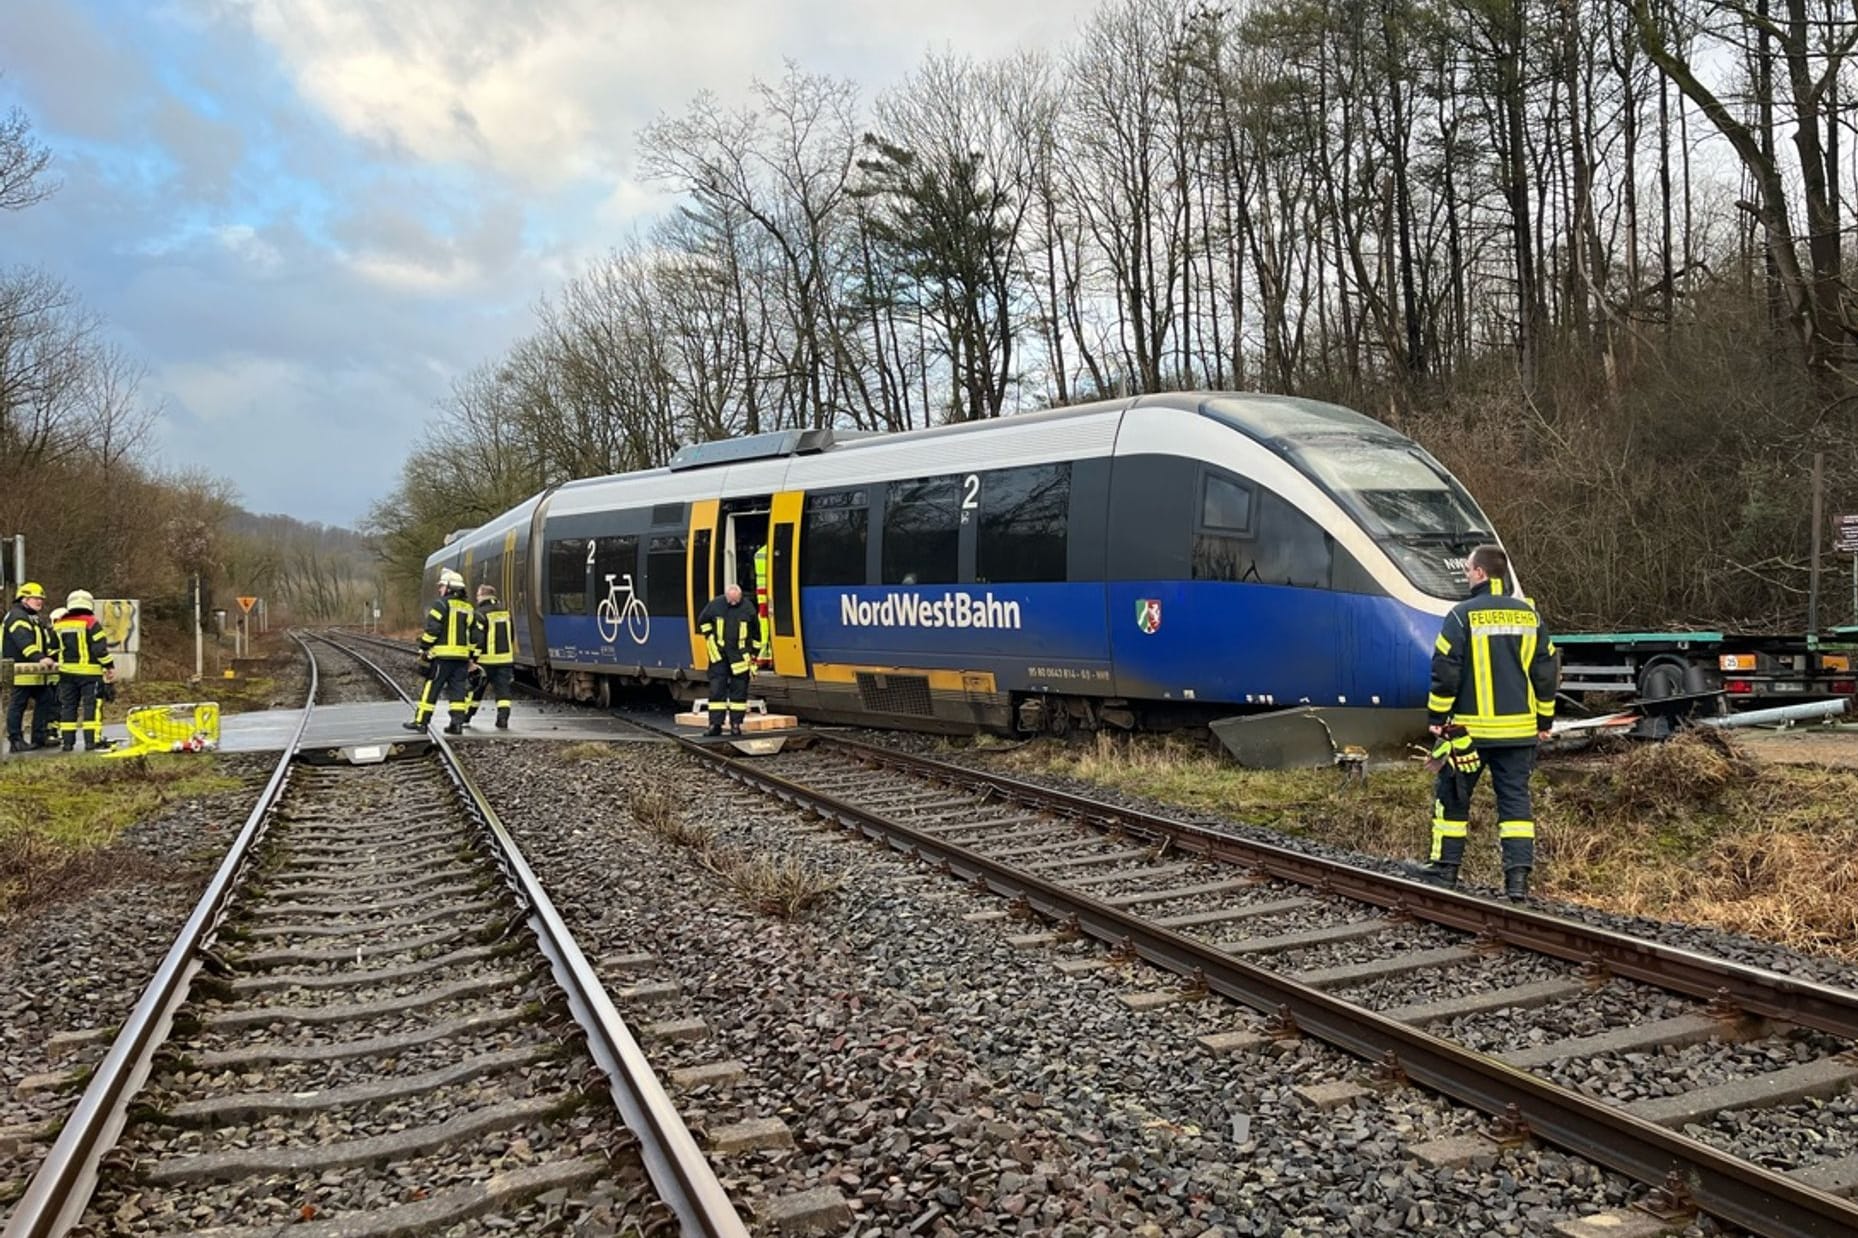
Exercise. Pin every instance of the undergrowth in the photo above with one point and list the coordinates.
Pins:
(1693, 830)
(58, 817)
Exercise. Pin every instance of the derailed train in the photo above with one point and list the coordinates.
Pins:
(1149, 560)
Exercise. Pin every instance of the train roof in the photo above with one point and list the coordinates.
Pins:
(832, 457)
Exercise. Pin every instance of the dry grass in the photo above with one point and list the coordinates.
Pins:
(587, 750)
(656, 810)
(780, 885)
(1693, 830)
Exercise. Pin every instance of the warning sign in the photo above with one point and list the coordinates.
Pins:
(246, 604)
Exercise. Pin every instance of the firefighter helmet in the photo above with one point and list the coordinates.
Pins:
(80, 599)
(57, 614)
(31, 589)
(449, 579)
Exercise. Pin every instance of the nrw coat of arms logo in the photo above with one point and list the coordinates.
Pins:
(1148, 615)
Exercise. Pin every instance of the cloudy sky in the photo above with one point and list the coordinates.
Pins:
(307, 216)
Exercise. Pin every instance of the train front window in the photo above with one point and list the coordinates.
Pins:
(1391, 486)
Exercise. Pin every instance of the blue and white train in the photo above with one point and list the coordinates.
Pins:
(1137, 561)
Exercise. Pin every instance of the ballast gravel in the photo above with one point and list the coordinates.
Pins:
(1735, 947)
(82, 963)
(945, 1082)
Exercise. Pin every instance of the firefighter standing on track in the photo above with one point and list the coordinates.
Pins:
(1494, 677)
(447, 650)
(84, 665)
(496, 656)
(733, 631)
(27, 640)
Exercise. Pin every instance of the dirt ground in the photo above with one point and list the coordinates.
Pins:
(1834, 748)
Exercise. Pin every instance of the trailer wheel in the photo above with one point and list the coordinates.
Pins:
(1661, 679)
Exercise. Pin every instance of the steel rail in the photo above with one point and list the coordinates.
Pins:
(1757, 990)
(1757, 1199)
(59, 1192)
(675, 1164)
(1753, 989)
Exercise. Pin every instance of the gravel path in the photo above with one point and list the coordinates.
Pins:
(944, 1082)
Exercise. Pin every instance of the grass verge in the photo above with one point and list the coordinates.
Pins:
(60, 815)
(1694, 830)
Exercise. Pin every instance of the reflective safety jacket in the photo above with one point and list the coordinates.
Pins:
(731, 632)
(496, 637)
(82, 648)
(451, 630)
(24, 639)
(1494, 669)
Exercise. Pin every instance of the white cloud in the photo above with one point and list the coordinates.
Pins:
(556, 90)
(244, 242)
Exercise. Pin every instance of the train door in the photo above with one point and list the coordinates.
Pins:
(700, 572)
(506, 586)
(743, 534)
(784, 584)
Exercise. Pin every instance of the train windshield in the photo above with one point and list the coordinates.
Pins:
(1417, 511)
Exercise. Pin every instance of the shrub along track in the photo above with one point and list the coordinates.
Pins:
(377, 1045)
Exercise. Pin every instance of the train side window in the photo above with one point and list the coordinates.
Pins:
(618, 556)
(567, 576)
(1025, 517)
(922, 531)
(1225, 505)
(836, 527)
(780, 564)
(664, 576)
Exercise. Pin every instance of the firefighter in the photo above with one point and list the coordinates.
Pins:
(496, 656)
(27, 640)
(732, 631)
(446, 652)
(761, 606)
(84, 665)
(1494, 677)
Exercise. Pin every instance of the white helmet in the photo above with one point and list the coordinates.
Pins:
(449, 579)
(57, 614)
(80, 599)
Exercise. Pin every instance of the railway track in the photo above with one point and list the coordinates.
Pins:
(1530, 1017)
(373, 1023)
(1507, 1009)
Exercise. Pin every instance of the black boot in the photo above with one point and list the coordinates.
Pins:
(716, 724)
(1518, 862)
(413, 726)
(456, 725)
(1435, 872)
(1516, 884)
(503, 718)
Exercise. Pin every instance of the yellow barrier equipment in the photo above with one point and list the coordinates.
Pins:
(170, 728)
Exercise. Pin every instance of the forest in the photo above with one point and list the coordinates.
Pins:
(1589, 252)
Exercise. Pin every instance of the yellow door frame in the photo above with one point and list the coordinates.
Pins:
(703, 514)
(789, 651)
(506, 588)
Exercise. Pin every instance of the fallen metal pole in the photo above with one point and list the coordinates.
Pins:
(1785, 713)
